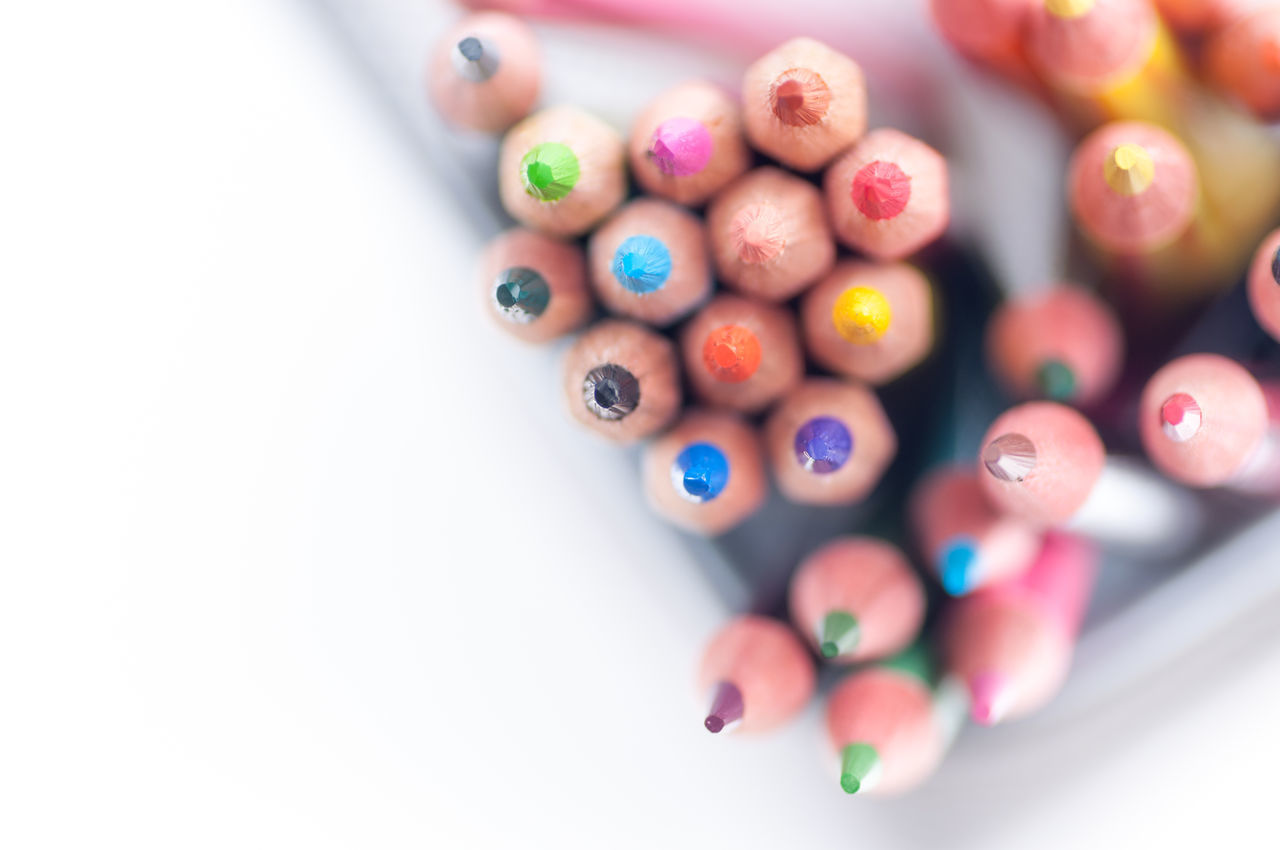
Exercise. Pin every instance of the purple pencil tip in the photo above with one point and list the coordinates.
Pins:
(681, 147)
(726, 707)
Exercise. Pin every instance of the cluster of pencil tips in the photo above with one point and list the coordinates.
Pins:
(750, 307)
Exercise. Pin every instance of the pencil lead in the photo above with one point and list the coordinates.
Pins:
(731, 353)
(859, 767)
(800, 97)
(726, 708)
(610, 391)
(1129, 170)
(861, 315)
(680, 147)
(839, 633)
(989, 695)
(759, 233)
(1069, 8)
(700, 472)
(475, 60)
(1009, 457)
(1180, 417)
(550, 171)
(957, 565)
(880, 190)
(642, 264)
(1056, 380)
(521, 294)
(823, 444)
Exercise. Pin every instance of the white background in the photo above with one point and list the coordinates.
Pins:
(283, 563)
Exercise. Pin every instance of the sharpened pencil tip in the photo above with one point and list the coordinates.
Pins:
(1129, 170)
(1009, 457)
(880, 190)
(726, 708)
(838, 633)
(957, 566)
(759, 233)
(861, 315)
(1056, 380)
(681, 147)
(800, 97)
(989, 696)
(1180, 417)
(859, 766)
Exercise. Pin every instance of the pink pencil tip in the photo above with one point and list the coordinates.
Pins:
(759, 232)
(1180, 417)
(680, 147)
(989, 698)
(880, 190)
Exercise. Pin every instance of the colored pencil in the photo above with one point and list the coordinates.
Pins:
(649, 262)
(1264, 284)
(485, 72)
(687, 144)
(769, 235)
(758, 676)
(967, 542)
(803, 103)
(741, 354)
(856, 599)
(892, 724)
(829, 442)
(1133, 187)
(561, 171)
(534, 286)
(1011, 643)
(1064, 344)
(1092, 47)
(1204, 421)
(706, 474)
(622, 380)
(888, 195)
(1198, 17)
(989, 32)
(868, 321)
(1044, 462)
(1243, 61)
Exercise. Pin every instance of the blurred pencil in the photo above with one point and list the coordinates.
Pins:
(485, 72)
(1264, 284)
(1243, 61)
(757, 675)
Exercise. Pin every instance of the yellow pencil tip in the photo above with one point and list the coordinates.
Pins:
(1129, 170)
(1068, 8)
(861, 315)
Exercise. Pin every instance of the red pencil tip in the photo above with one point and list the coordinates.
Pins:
(759, 233)
(1180, 417)
(731, 353)
(880, 190)
(800, 97)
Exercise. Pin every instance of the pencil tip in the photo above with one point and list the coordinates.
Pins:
(859, 767)
(1068, 8)
(1180, 417)
(610, 392)
(957, 565)
(823, 445)
(1056, 380)
(642, 264)
(474, 59)
(839, 633)
(880, 190)
(726, 708)
(1009, 457)
(550, 171)
(759, 233)
(1129, 169)
(861, 315)
(680, 147)
(700, 472)
(521, 294)
(989, 696)
(800, 97)
(731, 353)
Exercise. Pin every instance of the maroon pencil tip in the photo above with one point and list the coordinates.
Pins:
(726, 708)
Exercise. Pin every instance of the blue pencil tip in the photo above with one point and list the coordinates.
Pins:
(700, 472)
(642, 264)
(957, 567)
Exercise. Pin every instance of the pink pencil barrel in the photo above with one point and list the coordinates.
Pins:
(803, 103)
(687, 144)
(1133, 187)
(1012, 643)
(1064, 344)
(535, 287)
(968, 543)
(486, 72)
(769, 234)
(856, 599)
(987, 31)
(757, 674)
(1204, 421)
(889, 195)
(1089, 46)
(1264, 284)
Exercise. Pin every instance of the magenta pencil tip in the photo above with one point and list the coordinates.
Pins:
(726, 708)
(989, 698)
(681, 147)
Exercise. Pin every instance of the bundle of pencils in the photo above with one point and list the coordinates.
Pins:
(788, 271)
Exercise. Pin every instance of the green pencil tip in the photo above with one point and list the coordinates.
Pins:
(857, 761)
(838, 635)
(550, 171)
(1056, 380)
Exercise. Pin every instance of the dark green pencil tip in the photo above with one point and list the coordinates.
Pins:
(1056, 380)
(838, 635)
(857, 761)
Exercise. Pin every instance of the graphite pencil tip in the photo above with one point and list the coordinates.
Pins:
(989, 695)
(861, 315)
(957, 566)
(726, 708)
(1129, 170)
(1009, 457)
(680, 147)
(859, 767)
(549, 171)
(880, 190)
(610, 391)
(800, 97)
(474, 59)
(1180, 417)
(759, 233)
(1056, 380)
(839, 633)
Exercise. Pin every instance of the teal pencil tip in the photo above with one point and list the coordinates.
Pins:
(1056, 380)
